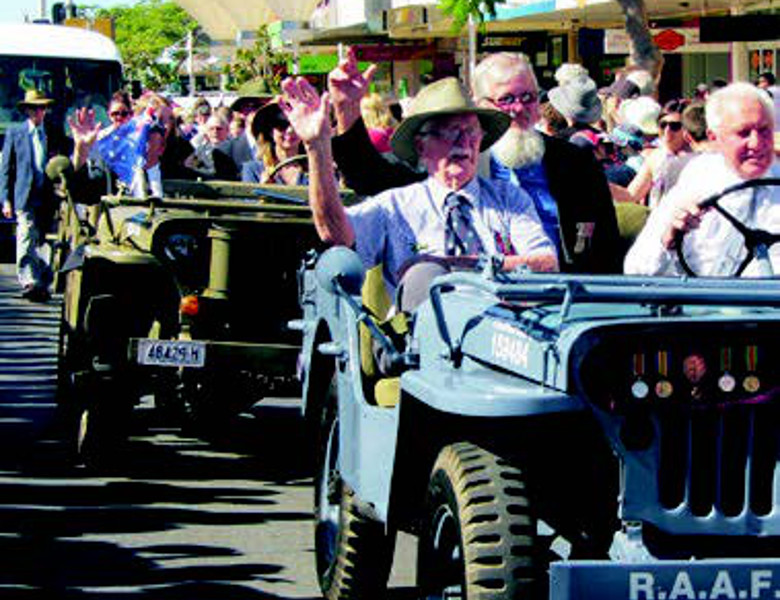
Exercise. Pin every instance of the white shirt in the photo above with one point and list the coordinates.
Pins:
(147, 182)
(715, 248)
(402, 223)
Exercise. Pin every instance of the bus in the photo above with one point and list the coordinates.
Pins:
(75, 67)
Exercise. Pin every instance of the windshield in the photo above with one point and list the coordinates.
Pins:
(70, 82)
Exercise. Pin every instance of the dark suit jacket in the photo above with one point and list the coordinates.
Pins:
(233, 153)
(17, 174)
(589, 234)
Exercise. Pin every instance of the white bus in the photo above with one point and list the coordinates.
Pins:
(74, 66)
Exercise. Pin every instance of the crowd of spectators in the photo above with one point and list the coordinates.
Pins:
(578, 150)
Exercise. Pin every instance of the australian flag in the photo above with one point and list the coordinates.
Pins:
(124, 149)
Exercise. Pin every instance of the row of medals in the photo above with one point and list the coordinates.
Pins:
(664, 388)
(727, 383)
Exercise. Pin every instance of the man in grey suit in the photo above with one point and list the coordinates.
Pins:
(26, 192)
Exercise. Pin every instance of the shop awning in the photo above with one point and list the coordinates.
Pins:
(351, 35)
(223, 19)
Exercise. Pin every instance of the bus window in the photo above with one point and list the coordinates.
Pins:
(73, 66)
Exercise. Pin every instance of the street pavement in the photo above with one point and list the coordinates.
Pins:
(177, 517)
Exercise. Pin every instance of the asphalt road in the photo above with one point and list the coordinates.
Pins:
(177, 518)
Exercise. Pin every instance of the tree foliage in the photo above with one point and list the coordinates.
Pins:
(260, 63)
(460, 10)
(143, 32)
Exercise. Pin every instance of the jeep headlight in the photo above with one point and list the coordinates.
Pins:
(180, 246)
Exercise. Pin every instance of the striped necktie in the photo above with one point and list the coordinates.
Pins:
(460, 237)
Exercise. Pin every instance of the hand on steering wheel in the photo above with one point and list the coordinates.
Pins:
(756, 241)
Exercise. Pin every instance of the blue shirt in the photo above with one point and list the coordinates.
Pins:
(533, 180)
(400, 224)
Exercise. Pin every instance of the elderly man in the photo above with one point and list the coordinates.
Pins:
(205, 161)
(740, 119)
(26, 192)
(567, 185)
(453, 212)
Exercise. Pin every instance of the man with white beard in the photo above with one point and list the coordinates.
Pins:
(567, 185)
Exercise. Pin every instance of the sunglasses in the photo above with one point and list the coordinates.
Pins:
(671, 125)
(119, 113)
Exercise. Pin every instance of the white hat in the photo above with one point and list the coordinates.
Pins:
(642, 112)
(568, 71)
(577, 99)
(643, 80)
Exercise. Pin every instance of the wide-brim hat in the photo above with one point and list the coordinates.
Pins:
(35, 99)
(577, 99)
(442, 98)
(253, 93)
(266, 117)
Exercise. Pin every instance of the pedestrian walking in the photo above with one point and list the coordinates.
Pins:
(28, 194)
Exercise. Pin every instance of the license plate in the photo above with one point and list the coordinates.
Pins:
(716, 579)
(171, 353)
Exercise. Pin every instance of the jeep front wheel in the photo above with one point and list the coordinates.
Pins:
(353, 552)
(477, 537)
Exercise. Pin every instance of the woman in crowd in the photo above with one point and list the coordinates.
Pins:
(276, 143)
(120, 109)
(379, 121)
(671, 143)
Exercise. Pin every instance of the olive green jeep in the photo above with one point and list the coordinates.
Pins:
(183, 299)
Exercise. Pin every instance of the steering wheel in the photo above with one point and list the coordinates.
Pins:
(756, 241)
(301, 159)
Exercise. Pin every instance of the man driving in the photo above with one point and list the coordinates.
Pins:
(740, 119)
(452, 213)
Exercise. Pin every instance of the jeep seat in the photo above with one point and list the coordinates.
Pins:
(631, 219)
(382, 391)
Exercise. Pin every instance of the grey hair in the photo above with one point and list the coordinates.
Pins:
(720, 102)
(498, 68)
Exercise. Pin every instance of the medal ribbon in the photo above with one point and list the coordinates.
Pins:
(639, 364)
(663, 363)
(725, 359)
(751, 358)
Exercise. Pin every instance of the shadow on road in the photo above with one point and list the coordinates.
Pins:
(176, 516)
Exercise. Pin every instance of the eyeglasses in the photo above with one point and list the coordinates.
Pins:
(671, 125)
(510, 100)
(450, 135)
(119, 113)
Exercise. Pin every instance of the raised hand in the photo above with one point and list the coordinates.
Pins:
(307, 111)
(347, 86)
(85, 130)
(84, 126)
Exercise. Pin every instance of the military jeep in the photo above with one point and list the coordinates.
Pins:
(183, 299)
(547, 435)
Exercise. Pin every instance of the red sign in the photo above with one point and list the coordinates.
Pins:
(387, 53)
(669, 40)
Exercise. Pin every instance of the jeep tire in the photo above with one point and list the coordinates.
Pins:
(353, 552)
(477, 537)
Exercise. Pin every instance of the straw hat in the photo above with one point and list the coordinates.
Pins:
(444, 97)
(35, 99)
(577, 99)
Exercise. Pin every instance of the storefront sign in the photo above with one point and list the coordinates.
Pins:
(678, 39)
(669, 40)
(389, 53)
(739, 28)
